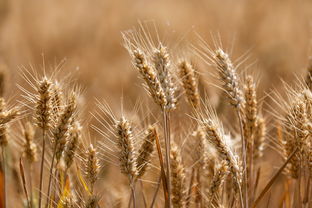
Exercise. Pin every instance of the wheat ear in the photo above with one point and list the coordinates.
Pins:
(60, 135)
(162, 66)
(190, 84)
(127, 153)
(146, 150)
(43, 120)
(216, 184)
(149, 76)
(91, 167)
(71, 146)
(177, 178)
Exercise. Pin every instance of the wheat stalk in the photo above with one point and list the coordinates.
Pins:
(43, 119)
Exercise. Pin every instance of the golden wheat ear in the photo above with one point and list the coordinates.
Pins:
(74, 138)
(189, 82)
(29, 147)
(178, 187)
(146, 150)
(216, 136)
(218, 179)
(229, 77)
(149, 76)
(44, 107)
(250, 109)
(64, 122)
(127, 151)
(91, 166)
(162, 64)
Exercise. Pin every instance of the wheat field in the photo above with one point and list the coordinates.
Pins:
(174, 104)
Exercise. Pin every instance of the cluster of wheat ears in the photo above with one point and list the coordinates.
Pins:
(58, 169)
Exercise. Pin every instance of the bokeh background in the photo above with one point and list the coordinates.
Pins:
(88, 34)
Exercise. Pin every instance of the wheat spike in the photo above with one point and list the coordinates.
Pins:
(63, 125)
(162, 66)
(6, 116)
(216, 184)
(43, 107)
(127, 152)
(146, 150)
(92, 167)
(57, 101)
(259, 138)
(30, 148)
(206, 163)
(178, 188)
(296, 130)
(250, 110)
(217, 138)
(229, 77)
(149, 76)
(74, 137)
(190, 84)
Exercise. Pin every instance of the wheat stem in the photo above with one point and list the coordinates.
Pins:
(270, 183)
(42, 166)
(4, 177)
(31, 185)
(50, 176)
(245, 175)
(143, 194)
(156, 192)
(166, 115)
(132, 186)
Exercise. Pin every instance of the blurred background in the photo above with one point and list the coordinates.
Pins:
(276, 34)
